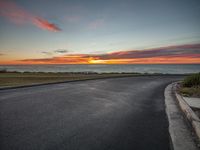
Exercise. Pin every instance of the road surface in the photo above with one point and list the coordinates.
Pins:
(106, 114)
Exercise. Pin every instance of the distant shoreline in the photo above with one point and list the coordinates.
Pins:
(87, 73)
(97, 69)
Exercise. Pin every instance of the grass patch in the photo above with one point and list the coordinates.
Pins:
(12, 79)
(190, 86)
(192, 81)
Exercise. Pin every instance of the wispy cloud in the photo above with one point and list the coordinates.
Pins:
(46, 53)
(73, 18)
(18, 15)
(58, 51)
(171, 54)
(61, 51)
(96, 23)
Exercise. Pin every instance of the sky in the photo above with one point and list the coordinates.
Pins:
(99, 31)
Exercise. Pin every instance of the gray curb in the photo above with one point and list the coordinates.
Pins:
(180, 135)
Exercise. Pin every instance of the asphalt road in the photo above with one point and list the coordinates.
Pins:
(105, 114)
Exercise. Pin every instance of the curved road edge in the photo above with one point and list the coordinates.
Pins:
(180, 134)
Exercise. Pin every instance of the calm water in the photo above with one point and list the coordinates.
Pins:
(170, 69)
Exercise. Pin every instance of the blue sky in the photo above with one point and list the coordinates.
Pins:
(96, 26)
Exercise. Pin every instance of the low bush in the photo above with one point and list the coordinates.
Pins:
(192, 81)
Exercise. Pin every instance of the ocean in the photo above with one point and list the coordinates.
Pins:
(149, 68)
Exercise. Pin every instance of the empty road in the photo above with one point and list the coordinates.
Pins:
(106, 114)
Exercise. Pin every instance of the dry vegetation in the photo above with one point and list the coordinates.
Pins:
(191, 86)
(10, 79)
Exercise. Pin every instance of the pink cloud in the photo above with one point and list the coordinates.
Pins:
(44, 24)
(18, 15)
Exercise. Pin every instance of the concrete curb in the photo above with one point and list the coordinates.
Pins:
(180, 135)
(189, 113)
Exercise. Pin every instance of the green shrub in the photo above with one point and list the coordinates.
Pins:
(192, 80)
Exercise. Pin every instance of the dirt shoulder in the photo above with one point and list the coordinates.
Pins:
(14, 79)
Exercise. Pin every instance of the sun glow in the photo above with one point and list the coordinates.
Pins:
(96, 61)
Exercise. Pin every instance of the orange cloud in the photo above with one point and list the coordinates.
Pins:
(18, 15)
(181, 54)
(66, 59)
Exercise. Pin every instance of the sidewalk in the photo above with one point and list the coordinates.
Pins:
(181, 134)
(194, 103)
